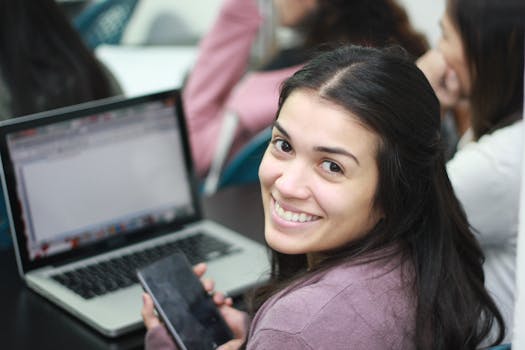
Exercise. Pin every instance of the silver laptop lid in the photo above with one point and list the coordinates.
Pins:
(90, 178)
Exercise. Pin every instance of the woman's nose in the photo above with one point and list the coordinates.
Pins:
(293, 181)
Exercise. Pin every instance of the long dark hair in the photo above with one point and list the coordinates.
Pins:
(494, 53)
(363, 22)
(423, 219)
(43, 59)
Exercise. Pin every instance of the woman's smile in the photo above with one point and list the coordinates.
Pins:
(292, 215)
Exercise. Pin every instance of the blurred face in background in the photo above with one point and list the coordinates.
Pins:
(451, 46)
(291, 13)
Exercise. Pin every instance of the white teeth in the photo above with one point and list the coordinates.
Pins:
(291, 216)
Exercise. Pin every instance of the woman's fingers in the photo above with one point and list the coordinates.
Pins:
(200, 269)
(208, 285)
(237, 320)
(443, 79)
(231, 345)
(148, 312)
(433, 65)
(450, 92)
(220, 299)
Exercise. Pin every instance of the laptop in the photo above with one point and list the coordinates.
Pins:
(110, 183)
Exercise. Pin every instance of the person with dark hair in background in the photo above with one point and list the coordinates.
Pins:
(44, 63)
(219, 87)
(370, 247)
(479, 63)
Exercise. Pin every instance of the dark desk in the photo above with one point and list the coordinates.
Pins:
(28, 321)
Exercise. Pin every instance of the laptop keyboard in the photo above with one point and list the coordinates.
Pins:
(120, 272)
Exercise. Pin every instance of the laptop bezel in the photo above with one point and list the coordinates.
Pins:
(13, 209)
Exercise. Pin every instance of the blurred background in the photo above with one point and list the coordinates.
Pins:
(161, 36)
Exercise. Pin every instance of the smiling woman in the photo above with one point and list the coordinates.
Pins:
(356, 147)
(370, 247)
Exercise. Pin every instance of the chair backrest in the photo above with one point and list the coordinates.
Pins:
(5, 237)
(500, 347)
(244, 166)
(104, 22)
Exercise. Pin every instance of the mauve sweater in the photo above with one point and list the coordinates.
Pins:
(368, 306)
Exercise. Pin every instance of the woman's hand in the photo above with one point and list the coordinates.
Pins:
(442, 78)
(238, 322)
(231, 345)
(149, 316)
(148, 312)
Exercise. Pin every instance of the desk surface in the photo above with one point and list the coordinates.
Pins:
(28, 321)
(142, 70)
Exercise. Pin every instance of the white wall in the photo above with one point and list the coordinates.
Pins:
(425, 16)
(198, 16)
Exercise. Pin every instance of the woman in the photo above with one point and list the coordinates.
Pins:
(479, 62)
(370, 247)
(219, 89)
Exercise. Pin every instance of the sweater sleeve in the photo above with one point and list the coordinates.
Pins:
(222, 61)
(158, 338)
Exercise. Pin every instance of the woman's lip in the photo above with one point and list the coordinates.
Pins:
(288, 207)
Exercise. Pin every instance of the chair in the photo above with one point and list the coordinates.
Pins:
(5, 238)
(244, 166)
(104, 22)
(500, 347)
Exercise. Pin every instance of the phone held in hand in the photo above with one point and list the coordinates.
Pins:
(183, 304)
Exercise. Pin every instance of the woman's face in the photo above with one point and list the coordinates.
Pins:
(292, 12)
(318, 177)
(451, 46)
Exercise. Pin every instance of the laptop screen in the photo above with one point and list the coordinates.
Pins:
(101, 174)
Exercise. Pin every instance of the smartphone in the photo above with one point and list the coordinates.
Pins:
(187, 310)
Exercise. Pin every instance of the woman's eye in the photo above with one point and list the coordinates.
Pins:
(283, 146)
(331, 167)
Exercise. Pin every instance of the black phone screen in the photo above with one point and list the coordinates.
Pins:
(187, 310)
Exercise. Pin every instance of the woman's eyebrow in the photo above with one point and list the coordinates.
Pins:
(336, 150)
(281, 129)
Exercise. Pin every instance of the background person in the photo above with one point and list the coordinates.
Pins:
(44, 63)
(479, 62)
